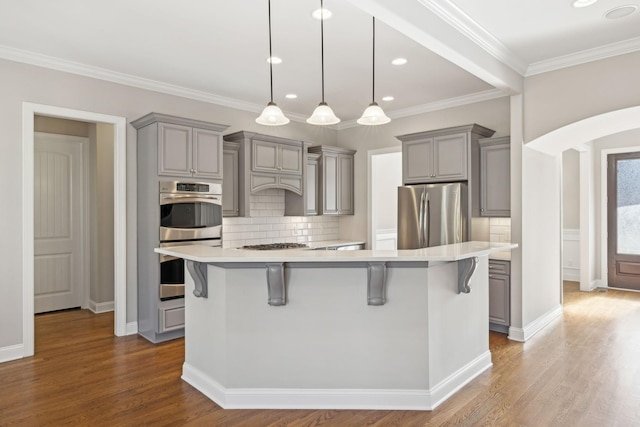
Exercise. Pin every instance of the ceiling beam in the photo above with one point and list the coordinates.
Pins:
(416, 20)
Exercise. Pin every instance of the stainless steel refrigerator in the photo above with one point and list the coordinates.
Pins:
(432, 215)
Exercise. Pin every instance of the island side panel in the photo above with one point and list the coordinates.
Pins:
(206, 321)
(327, 337)
(458, 323)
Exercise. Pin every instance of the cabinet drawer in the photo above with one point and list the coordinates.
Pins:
(499, 267)
(171, 319)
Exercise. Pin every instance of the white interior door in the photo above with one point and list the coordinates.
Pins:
(58, 222)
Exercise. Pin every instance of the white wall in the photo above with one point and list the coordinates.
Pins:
(541, 235)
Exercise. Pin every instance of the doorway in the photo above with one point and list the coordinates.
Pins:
(29, 111)
(60, 219)
(385, 176)
(623, 226)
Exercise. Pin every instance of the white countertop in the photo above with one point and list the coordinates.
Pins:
(333, 243)
(455, 252)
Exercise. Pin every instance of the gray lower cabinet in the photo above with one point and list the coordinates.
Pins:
(230, 159)
(495, 177)
(499, 295)
(335, 180)
(166, 146)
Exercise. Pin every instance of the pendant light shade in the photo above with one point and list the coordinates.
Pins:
(373, 114)
(323, 114)
(272, 115)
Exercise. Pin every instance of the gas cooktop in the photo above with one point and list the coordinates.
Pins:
(274, 246)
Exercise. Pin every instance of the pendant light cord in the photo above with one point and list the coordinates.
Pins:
(270, 56)
(322, 44)
(373, 81)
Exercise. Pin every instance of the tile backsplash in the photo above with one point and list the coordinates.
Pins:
(268, 224)
(500, 229)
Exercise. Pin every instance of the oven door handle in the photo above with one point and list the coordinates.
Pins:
(168, 199)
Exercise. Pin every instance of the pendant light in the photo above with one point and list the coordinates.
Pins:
(323, 114)
(373, 114)
(272, 115)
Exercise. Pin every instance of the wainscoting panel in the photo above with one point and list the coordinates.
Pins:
(571, 255)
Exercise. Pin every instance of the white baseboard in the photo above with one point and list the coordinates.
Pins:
(101, 307)
(12, 352)
(524, 334)
(459, 379)
(363, 399)
(571, 274)
(132, 328)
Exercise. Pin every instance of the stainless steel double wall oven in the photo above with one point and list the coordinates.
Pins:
(190, 214)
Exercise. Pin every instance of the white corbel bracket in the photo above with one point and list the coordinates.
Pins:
(376, 283)
(275, 284)
(466, 268)
(198, 271)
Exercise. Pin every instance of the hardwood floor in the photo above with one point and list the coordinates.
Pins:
(582, 370)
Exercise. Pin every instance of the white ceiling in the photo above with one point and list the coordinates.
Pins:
(216, 50)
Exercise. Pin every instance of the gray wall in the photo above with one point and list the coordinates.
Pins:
(493, 114)
(26, 83)
(570, 189)
(561, 97)
(551, 100)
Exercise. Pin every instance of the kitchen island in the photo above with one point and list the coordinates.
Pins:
(336, 329)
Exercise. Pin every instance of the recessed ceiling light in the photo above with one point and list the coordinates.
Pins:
(291, 96)
(583, 3)
(399, 61)
(621, 11)
(274, 60)
(322, 13)
(387, 98)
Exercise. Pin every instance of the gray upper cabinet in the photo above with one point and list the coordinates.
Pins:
(442, 158)
(495, 177)
(166, 146)
(446, 155)
(185, 147)
(230, 162)
(263, 162)
(276, 158)
(312, 180)
(335, 180)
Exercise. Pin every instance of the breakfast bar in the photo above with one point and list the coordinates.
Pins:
(361, 329)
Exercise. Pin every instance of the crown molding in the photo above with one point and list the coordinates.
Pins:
(45, 61)
(582, 57)
(53, 63)
(436, 106)
(463, 23)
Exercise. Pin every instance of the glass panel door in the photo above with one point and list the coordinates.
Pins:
(624, 220)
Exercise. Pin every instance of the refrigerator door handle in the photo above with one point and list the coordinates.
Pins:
(427, 222)
(421, 221)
